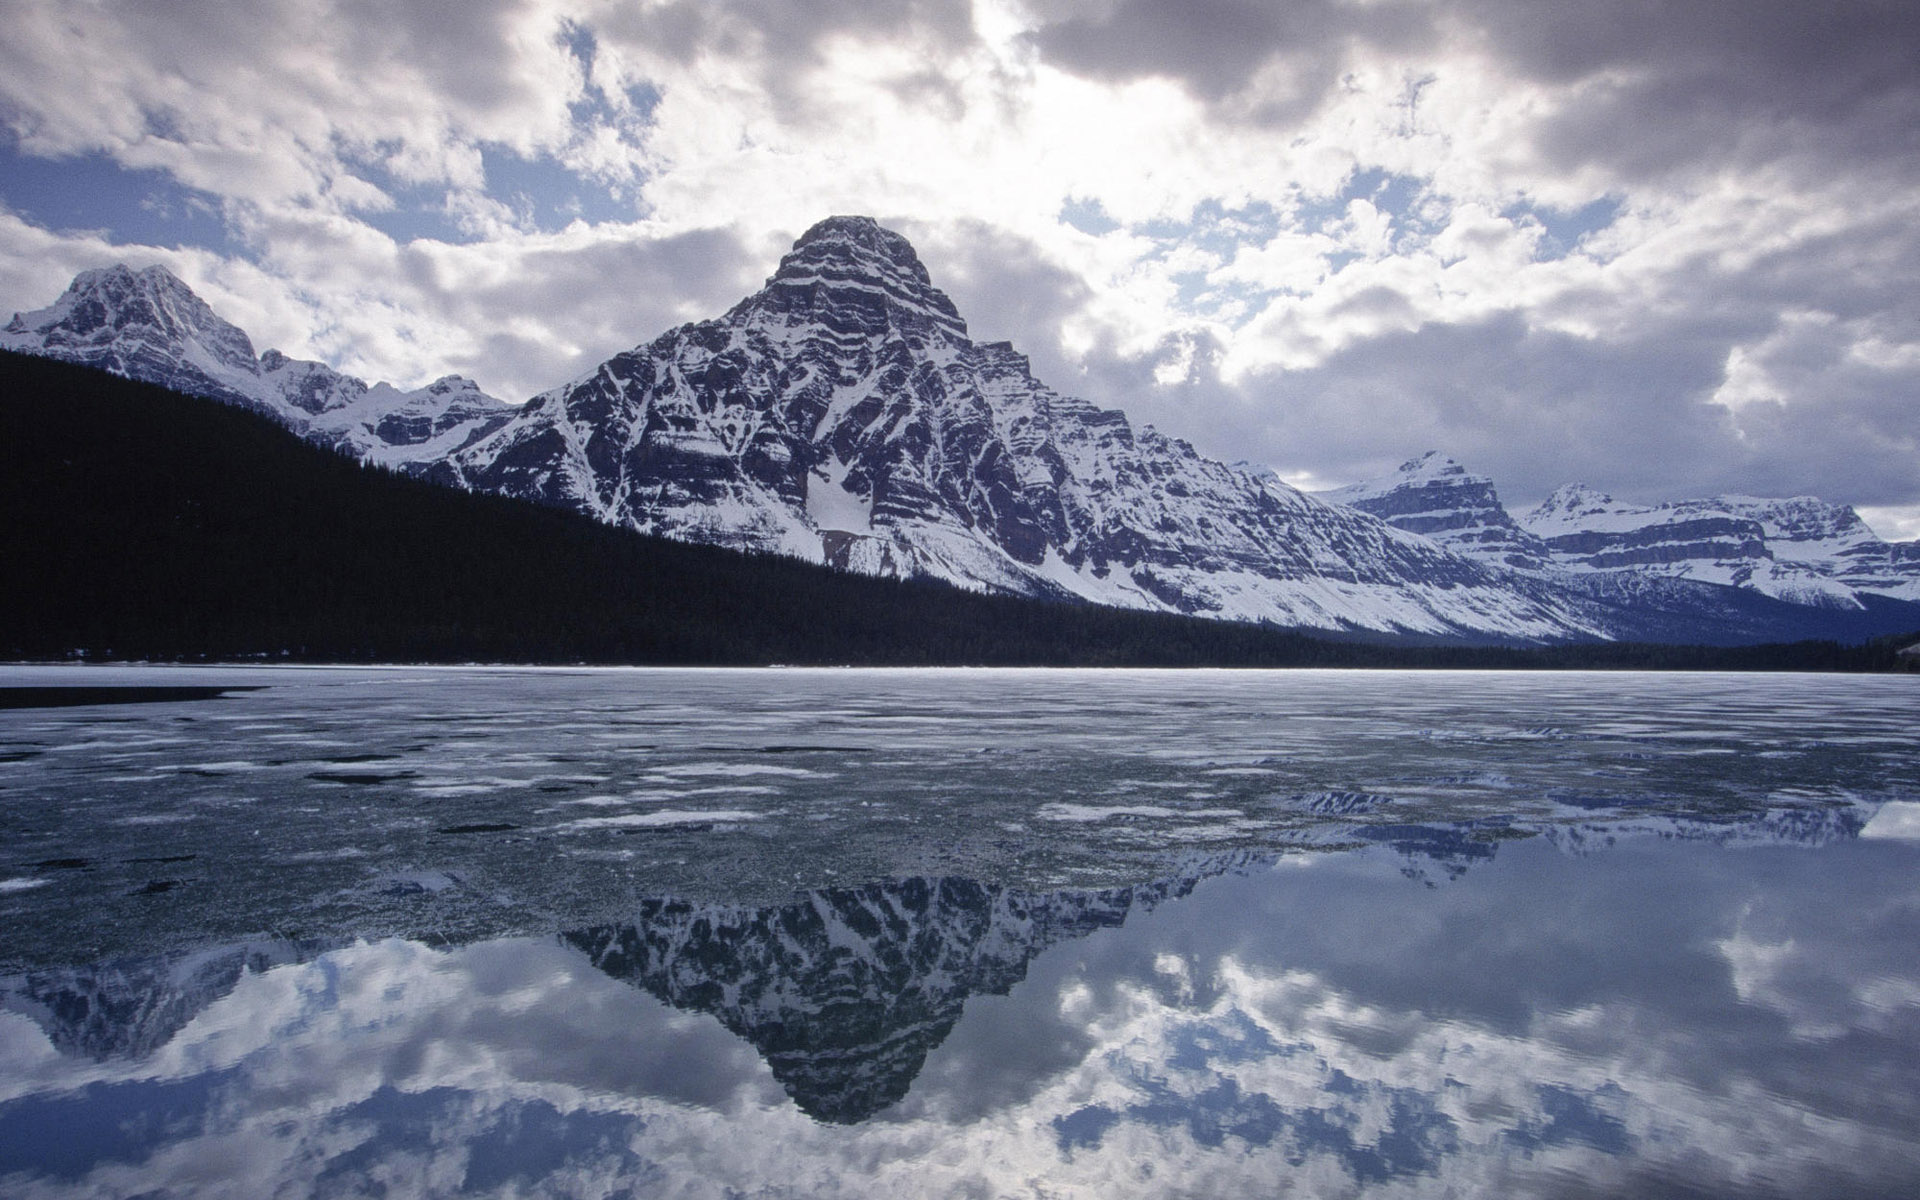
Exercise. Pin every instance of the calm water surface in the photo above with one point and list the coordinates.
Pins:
(960, 933)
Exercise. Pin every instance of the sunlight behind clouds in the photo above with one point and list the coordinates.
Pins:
(1326, 197)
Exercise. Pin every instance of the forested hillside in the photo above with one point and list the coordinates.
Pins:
(139, 523)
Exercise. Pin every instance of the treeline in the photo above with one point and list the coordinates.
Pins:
(136, 523)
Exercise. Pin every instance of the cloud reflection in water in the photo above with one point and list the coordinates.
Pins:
(1662, 1017)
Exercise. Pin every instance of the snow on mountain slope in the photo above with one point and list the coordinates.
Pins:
(842, 414)
(148, 325)
(1801, 551)
(1832, 539)
(1711, 540)
(1436, 496)
(145, 325)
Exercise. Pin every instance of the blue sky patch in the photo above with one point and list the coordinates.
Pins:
(93, 192)
(419, 209)
(1215, 228)
(1413, 217)
(1565, 227)
(593, 107)
(543, 194)
(1088, 216)
(548, 195)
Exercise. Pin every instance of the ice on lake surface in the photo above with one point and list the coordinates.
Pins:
(992, 933)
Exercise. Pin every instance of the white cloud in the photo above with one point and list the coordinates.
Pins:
(1224, 146)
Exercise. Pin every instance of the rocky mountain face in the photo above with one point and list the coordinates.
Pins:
(842, 414)
(1801, 551)
(148, 325)
(1436, 497)
(1833, 540)
(1710, 540)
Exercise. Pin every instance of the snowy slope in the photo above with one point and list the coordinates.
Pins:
(1713, 541)
(1801, 551)
(148, 325)
(1832, 540)
(1436, 496)
(842, 414)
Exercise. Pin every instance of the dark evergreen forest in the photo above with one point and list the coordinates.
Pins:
(136, 523)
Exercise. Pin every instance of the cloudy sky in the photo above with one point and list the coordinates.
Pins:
(1666, 248)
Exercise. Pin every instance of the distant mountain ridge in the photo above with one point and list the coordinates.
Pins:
(1799, 549)
(842, 415)
(1436, 497)
(148, 325)
(1802, 550)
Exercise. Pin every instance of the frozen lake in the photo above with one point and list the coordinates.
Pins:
(992, 933)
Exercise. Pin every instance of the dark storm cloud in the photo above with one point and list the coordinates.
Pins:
(1216, 48)
(784, 38)
(789, 28)
(1006, 288)
(445, 45)
(1536, 409)
(1746, 80)
(1845, 429)
(1663, 83)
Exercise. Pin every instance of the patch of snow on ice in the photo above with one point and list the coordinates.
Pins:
(1060, 811)
(664, 817)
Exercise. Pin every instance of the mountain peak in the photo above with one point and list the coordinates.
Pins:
(155, 277)
(149, 325)
(142, 324)
(854, 273)
(1576, 497)
(1436, 497)
(1429, 467)
(1430, 471)
(154, 295)
(855, 229)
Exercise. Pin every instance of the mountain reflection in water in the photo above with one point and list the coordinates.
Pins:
(845, 991)
(1648, 1006)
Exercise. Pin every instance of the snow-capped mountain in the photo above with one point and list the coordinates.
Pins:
(148, 325)
(1435, 496)
(1833, 540)
(1708, 540)
(1801, 551)
(842, 414)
